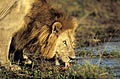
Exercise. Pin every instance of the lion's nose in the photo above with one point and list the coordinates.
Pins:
(71, 58)
(72, 55)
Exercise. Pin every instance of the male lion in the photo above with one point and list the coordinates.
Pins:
(48, 32)
(12, 13)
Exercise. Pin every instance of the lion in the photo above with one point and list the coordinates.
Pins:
(12, 13)
(45, 33)
(21, 15)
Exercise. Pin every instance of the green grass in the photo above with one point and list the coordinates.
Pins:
(87, 71)
(105, 54)
(41, 69)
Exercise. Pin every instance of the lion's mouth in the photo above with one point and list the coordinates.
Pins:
(63, 60)
(62, 64)
(66, 65)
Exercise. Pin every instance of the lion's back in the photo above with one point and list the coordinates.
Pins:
(13, 13)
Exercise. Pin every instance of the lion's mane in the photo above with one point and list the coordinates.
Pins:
(37, 35)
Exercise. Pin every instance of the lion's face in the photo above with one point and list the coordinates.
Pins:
(65, 46)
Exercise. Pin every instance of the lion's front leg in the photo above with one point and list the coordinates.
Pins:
(5, 40)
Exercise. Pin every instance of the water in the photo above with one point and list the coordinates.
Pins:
(107, 46)
(111, 46)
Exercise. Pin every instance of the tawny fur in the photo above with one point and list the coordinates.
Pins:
(38, 35)
(12, 13)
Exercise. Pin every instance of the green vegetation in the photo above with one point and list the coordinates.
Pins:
(105, 54)
(41, 69)
(84, 71)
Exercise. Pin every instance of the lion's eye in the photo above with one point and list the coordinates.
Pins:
(65, 43)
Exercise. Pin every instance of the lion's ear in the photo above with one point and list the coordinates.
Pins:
(56, 27)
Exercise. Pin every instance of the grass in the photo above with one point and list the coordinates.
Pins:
(105, 54)
(87, 71)
(43, 69)
(90, 71)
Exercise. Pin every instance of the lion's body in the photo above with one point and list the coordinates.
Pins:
(12, 13)
(37, 29)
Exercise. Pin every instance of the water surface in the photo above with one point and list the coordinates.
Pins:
(112, 46)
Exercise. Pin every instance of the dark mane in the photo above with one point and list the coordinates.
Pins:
(37, 33)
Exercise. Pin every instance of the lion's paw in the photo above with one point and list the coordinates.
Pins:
(26, 61)
(14, 67)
